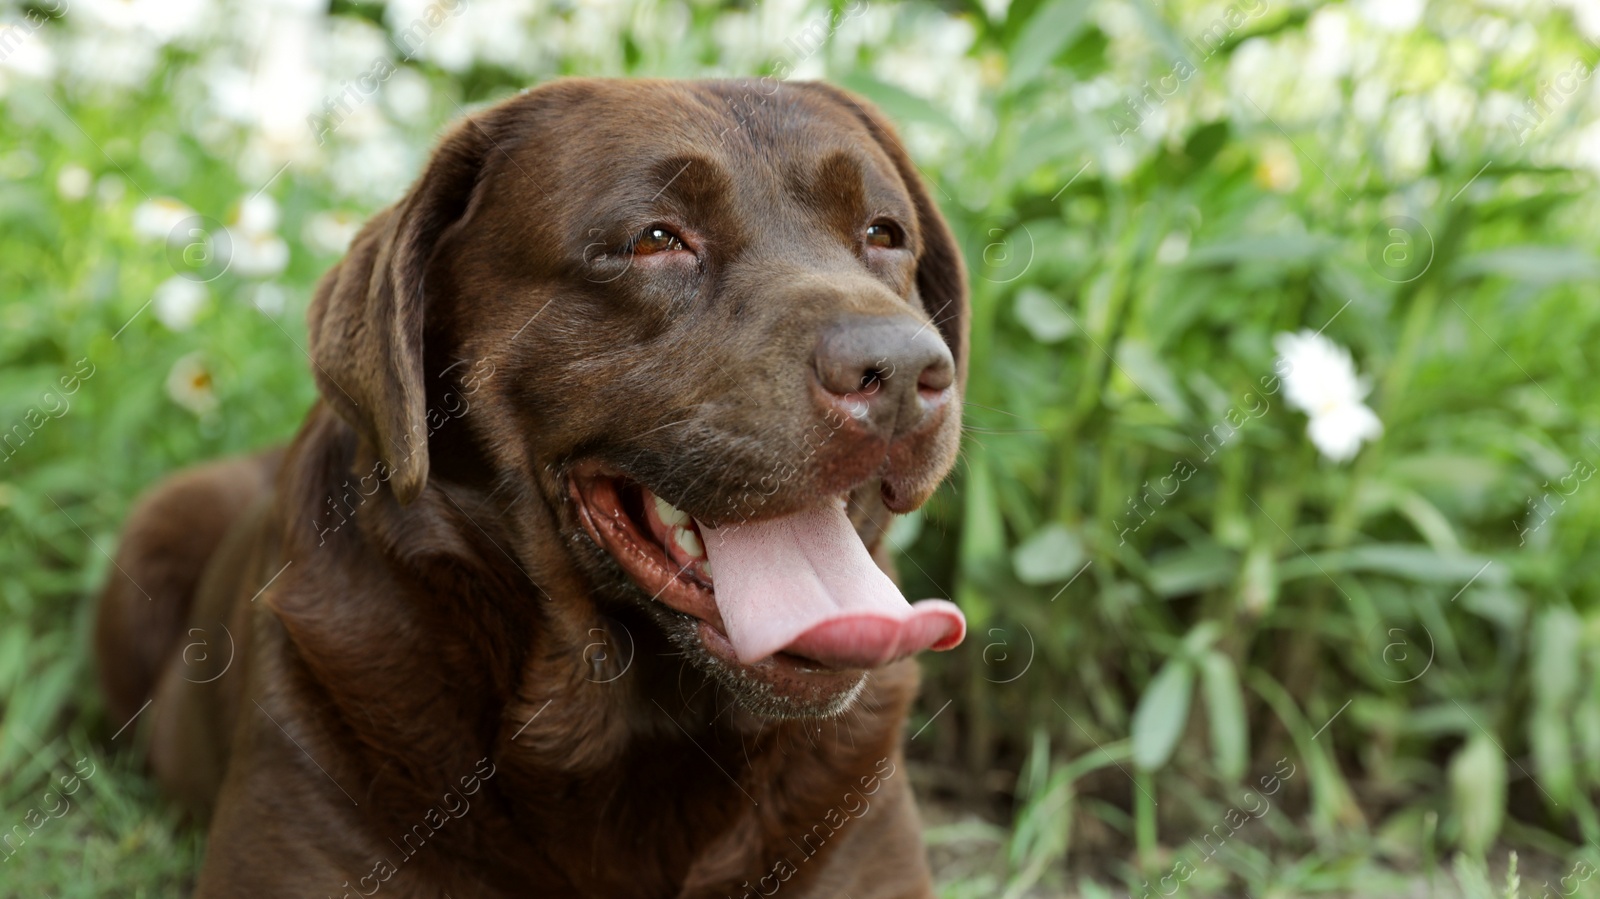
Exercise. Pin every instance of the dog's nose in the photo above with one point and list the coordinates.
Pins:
(890, 373)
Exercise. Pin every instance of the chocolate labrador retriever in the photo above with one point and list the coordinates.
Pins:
(572, 583)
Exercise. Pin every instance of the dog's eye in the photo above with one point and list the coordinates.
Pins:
(884, 235)
(656, 239)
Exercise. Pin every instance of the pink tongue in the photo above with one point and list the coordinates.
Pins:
(805, 584)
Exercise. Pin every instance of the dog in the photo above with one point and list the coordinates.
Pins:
(573, 583)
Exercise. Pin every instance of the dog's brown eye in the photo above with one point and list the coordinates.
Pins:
(884, 235)
(656, 239)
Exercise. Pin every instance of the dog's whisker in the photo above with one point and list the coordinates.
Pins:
(703, 682)
(990, 408)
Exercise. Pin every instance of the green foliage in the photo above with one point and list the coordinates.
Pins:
(1147, 196)
(1162, 712)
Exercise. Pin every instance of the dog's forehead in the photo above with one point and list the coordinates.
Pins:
(601, 137)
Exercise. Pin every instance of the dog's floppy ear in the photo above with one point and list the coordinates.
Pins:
(941, 274)
(366, 321)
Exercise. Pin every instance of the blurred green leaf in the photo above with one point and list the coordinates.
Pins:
(1557, 664)
(1586, 723)
(1052, 555)
(1140, 364)
(1200, 637)
(1414, 562)
(1551, 739)
(1185, 571)
(1534, 264)
(1048, 32)
(904, 531)
(1258, 588)
(1478, 792)
(1283, 250)
(1206, 142)
(900, 105)
(1230, 735)
(1162, 712)
(1430, 522)
(1043, 316)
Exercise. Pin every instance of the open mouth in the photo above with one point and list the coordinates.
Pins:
(794, 601)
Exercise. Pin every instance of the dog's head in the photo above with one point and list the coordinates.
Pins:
(711, 334)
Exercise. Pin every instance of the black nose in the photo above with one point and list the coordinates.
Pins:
(889, 373)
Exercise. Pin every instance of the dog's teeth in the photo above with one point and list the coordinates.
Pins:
(705, 569)
(670, 514)
(689, 542)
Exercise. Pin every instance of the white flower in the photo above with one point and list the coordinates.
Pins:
(1174, 247)
(1096, 94)
(331, 232)
(73, 182)
(257, 216)
(259, 255)
(371, 168)
(122, 60)
(1320, 380)
(117, 15)
(1586, 13)
(155, 219)
(351, 45)
(191, 386)
(1278, 170)
(281, 87)
(408, 95)
(1406, 142)
(1338, 433)
(109, 189)
(454, 36)
(1329, 32)
(931, 60)
(1392, 15)
(28, 56)
(996, 9)
(258, 252)
(270, 298)
(178, 302)
(161, 19)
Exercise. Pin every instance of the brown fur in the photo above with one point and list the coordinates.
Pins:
(448, 688)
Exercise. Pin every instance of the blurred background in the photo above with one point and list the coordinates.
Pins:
(1271, 522)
